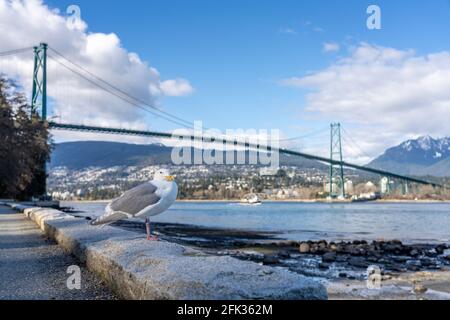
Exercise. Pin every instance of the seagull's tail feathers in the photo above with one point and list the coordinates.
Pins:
(110, 217)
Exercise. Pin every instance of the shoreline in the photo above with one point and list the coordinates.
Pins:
(408, 271)
(306, 201)
(393, 254)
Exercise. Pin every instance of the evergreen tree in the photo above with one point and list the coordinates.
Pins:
(24, 146)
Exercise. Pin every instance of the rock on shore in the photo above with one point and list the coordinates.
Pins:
(393, 255)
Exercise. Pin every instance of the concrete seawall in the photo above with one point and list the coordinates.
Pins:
(138, 269)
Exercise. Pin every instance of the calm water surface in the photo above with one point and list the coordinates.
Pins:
(409, 222)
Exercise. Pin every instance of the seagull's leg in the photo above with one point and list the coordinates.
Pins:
(149, 236)
(147, 227)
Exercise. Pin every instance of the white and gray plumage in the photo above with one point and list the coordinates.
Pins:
(144, 201)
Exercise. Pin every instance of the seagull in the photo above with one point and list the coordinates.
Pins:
(144, 201)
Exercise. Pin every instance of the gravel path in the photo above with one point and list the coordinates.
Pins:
(34, 268)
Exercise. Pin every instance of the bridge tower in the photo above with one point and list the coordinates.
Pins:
(39, 98)
(336, 170)
(39, 95)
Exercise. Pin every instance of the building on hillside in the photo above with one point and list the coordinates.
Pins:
(384, 185)
(349, 187)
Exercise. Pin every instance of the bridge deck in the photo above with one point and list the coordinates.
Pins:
(156, 134)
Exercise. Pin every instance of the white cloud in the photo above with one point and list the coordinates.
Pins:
(318, 29)
(176, 88)
(384, 95)
(288, 31)
(331, 47)
(27, 22)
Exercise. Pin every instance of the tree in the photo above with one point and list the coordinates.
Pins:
(24, 145)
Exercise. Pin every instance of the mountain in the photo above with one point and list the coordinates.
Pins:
(84, 154)
(420, 157)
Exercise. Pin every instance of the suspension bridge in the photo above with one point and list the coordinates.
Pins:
(39, 102)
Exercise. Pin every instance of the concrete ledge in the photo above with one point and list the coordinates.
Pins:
(137, 269)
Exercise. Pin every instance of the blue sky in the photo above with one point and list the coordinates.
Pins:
(235, 52)
(237, 55)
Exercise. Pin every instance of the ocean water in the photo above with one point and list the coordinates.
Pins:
(409, 222)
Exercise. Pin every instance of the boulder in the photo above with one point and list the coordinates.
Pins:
(268, 260)
(432, 253)
(329, 257)
(341, 258)
(324, 266)
(440, 249)
(322, 247)
(426, 262)
(314, 248)
(358, 262)
(332, 247)
(304, 247)
(284, 255)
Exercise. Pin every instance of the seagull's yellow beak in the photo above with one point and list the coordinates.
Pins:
(170, 178)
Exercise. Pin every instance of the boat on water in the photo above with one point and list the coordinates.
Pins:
(367, 197)
(251, 199)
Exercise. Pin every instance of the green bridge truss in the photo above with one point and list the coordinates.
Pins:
(156, 134)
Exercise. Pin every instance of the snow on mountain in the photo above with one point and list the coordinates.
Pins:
(417, 157)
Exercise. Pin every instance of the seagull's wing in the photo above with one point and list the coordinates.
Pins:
(135, 200)
(109, 218)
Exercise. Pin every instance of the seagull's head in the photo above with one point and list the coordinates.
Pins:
(163, 175)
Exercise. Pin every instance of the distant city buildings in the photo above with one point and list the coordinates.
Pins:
(214, 182)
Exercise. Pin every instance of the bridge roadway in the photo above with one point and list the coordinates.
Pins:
(156, 134)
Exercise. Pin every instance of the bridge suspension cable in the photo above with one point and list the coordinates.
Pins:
(16, 51)
(306, 135)
(116, 91)
(125, 99)
(349, 140)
